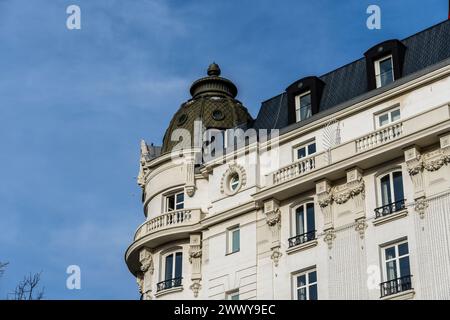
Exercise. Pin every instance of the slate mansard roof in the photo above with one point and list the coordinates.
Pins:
(348, 84)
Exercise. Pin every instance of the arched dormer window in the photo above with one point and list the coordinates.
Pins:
(391, 196)
(384, 63)
(304, 98)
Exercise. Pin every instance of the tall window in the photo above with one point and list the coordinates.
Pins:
(305, 285)
(172, 268)
(304, 224)
(174, 201)
(384, 71)
(391, 190)
(303, 108)
(305, 150)
(233, 236)
(388, 117)
(397, 272)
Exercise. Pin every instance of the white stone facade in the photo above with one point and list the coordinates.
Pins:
(343, 183)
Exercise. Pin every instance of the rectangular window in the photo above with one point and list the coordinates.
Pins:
(303, 108)
(174, 201)
(233, 240)
(305, 285)
(388, 117)
(384, 71)
(233, 295)
(173, 266)
(305, 150)
(396, 269)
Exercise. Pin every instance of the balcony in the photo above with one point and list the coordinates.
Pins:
(302, 238)
(396, 286)
(379, 137)
(366, 151)
(295, 169)
(390, 208)
(169, 284)
(169, 220)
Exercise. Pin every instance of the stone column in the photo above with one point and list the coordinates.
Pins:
(325, 200)
(356, 187)
(195, 258)
(144, 278)
(273, 220)
(190, 175)
(414, 163)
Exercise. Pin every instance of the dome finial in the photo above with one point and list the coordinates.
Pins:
(213, 69)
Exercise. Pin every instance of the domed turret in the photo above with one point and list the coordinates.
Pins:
(213, 102)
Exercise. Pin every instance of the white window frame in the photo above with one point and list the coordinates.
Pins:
(396, 259)
(307, 285)
(305, 218)
(163, 264)
(389, 114)
(297, 105)
(378, 70)
(230, 232)
(233, 294)
(175, 203)
(391, 186)
(304, 145)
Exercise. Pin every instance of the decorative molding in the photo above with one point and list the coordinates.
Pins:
(190, 177)
(144, 277)
(273, 218)
(360, 227)
(420, 205)
(276, 255)
(233, 168)
(195, 258)
(329, 237)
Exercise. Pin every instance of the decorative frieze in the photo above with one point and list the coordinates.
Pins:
(325, 200)
(420, 206)
(195, 258)
(144, 278)
(414, 164)
(273, 219)
(276, 255)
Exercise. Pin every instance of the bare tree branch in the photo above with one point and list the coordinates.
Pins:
(28, 288)
(3, 266)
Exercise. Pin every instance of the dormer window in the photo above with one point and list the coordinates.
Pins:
(384, 71)
(303, 109)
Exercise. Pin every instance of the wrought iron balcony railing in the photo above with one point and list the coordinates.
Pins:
(395, 286)
(390, 208)
(168, 284)
(302, 238)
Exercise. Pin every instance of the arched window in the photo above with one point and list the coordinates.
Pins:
(171, 271)
(304, 227)
(391, 196)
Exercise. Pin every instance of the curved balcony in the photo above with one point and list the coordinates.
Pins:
(169, 226)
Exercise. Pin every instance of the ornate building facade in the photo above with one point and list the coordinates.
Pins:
(338, 189)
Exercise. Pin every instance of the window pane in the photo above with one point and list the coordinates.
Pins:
(398, 186)
(311, 148)
(385, 190)
(386, 75)
(169, 267)
(404, 267)
(305, 112)
(403, 249)
(180, 197)
(313, 292)
(301, 294)
(301, 152)
(235, 296)
(391, 270)
(178, 264)
(305, 101)
(395, 115)
(301, 280)
(235, 240)
(390, 253)
(383, 119)
(299, 218)
(312, 277)
(170, 203)
(310, 217)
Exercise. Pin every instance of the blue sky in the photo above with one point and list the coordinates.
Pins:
(75, 104)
